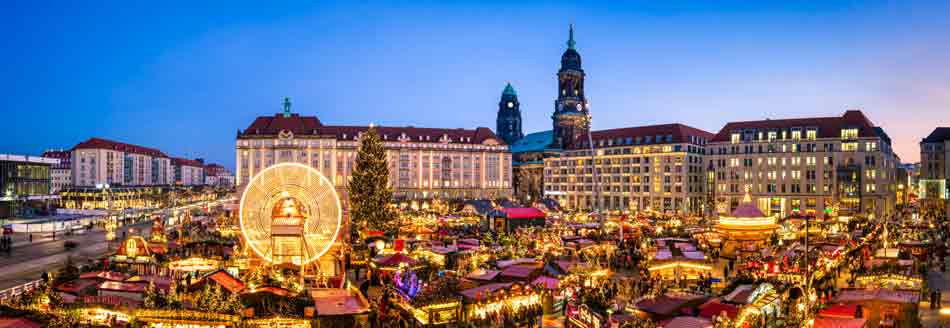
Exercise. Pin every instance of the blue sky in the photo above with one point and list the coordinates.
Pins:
(185, 78)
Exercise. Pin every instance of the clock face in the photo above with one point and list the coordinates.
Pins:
(511, 104)
(579, 106)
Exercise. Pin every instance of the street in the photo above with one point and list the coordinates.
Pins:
(26, 262)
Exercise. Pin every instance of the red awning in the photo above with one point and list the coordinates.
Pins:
(523, 213)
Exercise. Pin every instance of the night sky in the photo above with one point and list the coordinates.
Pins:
(184, 79)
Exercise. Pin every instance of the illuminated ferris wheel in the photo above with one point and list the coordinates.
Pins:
(290, 213)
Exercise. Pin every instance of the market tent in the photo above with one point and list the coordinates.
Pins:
(824, 322)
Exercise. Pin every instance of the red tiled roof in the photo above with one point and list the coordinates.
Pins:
(678, 133)
(310, 125)
(64, 157)
(99, 143)
(523, 213)
(178, 161)
(214, 169)
(828, 127)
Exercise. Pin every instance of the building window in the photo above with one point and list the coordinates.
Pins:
(849, 133)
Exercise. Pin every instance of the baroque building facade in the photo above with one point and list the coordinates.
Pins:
(805, 166)
(424, 163)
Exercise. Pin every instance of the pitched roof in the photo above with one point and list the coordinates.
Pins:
(669, 133)
(939, 134)
(310, 125)
(536, 141)
(178, 161)
(99, 143)
(828, 127)
(225, 279)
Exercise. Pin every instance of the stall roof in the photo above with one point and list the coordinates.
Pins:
(521, 271)
(507, 263)
(665, 304)
(395, 260)
(523, 213)
(335, 301)
(885, 295)
(483, 274)
(688, 322)
(840, 311)
(547, 282)
(75, 286)
(225, 279)
(123, 287)
(471, 293)
(821, 322)
(18, 323)
(715, 308)
(104, 275)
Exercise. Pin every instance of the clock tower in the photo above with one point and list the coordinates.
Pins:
(571, 108)
(509, 116)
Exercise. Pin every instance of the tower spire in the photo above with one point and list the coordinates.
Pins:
(286, 106)
(570, 40)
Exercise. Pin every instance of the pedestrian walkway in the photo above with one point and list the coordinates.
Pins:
(929, 317)
(552, 321)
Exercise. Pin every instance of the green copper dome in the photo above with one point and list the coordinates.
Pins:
(509, 91)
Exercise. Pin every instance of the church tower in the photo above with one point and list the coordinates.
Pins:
(509, 116)
(571, 107)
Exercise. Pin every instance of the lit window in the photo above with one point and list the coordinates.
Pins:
(849, 146)
(849, 133)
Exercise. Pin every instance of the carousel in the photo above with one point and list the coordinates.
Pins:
(746, 230)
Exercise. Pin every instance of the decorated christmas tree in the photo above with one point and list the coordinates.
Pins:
(369, 191)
